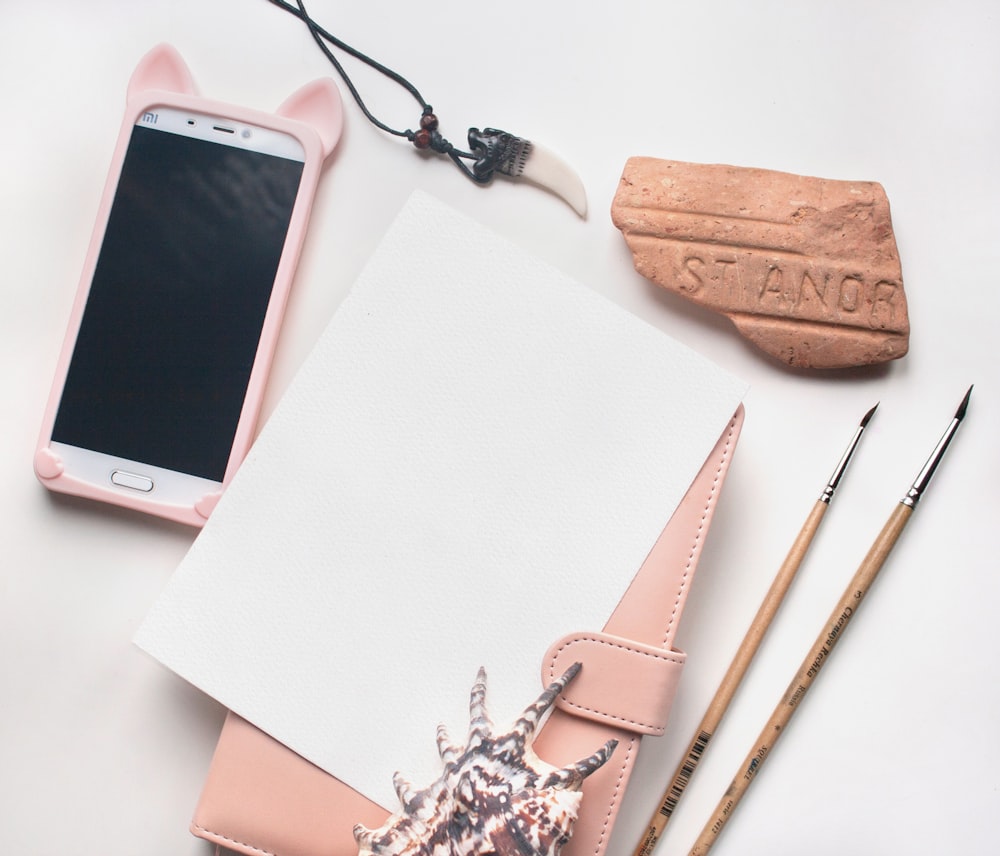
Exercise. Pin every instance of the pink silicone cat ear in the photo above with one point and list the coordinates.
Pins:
(317, 104)
(163, 69)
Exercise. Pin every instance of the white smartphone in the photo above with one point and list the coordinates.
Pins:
(156, 383)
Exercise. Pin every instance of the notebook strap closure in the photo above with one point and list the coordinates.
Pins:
(622, 683)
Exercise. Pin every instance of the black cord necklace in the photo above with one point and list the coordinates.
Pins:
(491, 150)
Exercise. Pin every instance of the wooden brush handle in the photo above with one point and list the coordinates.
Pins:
(832, 631)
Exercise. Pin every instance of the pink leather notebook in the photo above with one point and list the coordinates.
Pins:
(261, 798)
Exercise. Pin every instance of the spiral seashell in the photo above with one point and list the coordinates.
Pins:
(494, 796)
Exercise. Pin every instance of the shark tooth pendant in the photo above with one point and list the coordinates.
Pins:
(494, 797)
(501, 152)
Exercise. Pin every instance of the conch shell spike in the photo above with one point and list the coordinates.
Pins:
(572, 777)
(480, 724)
(446, 749)
(404, 790)
(528, 721)
(364, 836)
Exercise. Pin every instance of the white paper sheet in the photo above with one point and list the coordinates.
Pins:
(473, 462)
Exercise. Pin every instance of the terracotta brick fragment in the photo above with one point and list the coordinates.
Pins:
(806, 268)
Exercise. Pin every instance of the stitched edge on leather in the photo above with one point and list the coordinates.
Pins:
(655, 730)
(709, 502)
(218, 837)
(615, 796)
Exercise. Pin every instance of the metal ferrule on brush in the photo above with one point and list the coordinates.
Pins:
(924, 476)
(838, 473)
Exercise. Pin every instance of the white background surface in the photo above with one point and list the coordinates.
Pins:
(896, 748)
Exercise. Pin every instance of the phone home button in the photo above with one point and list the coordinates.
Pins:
(131, 480)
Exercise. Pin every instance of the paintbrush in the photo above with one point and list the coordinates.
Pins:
(748, 648)
(830, 635)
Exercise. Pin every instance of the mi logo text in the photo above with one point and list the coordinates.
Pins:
(149, 118)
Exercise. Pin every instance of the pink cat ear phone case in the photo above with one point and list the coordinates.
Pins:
(161, 375)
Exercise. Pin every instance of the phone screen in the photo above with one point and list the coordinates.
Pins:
(181, 286)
